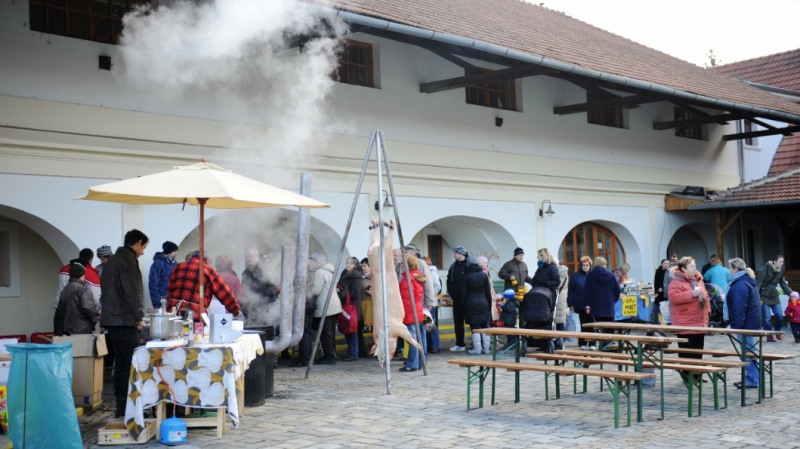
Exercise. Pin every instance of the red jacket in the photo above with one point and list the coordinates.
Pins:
(793, 311)
(683, 306)
(408, 318)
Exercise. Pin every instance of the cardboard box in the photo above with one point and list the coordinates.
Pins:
(88, 345)
(5, 368)
(221, 329)
(87, 381)
(117, 433)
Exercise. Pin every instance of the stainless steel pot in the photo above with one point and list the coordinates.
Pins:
(164, 326)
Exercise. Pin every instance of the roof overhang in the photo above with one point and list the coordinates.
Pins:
(619, 90)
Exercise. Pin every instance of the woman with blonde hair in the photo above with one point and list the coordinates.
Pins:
(578, 297)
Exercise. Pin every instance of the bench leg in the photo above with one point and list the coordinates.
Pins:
(615, 387)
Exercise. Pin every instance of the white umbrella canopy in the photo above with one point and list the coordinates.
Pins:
(221, 189)
(203, 184)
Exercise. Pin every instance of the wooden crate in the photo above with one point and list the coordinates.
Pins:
(117, 433)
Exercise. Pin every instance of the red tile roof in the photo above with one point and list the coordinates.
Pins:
(778, 70)
(780, 189)
(788, 155)
(539, 31)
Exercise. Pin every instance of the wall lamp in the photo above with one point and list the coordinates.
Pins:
(386, 203)
(549, 210)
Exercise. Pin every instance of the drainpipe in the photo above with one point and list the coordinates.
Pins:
(740, 151)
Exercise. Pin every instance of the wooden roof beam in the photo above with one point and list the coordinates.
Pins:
(720, 118)
(630, 101)
(480, 78)
(787, 131)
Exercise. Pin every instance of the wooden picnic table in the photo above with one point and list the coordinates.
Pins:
(634, 345)
(739, 345)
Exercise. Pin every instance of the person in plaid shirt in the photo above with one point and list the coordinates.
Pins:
(183, 285)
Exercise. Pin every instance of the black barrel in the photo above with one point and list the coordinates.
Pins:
(254, 377)
(269, 362)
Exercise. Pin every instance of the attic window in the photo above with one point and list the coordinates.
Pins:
(356, 64)
(689, 131)
(613, 117)
(500, 94)
(94, 20)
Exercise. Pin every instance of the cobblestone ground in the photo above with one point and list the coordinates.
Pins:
(347, 406)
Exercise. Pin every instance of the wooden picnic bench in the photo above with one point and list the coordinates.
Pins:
(617, 381)
(766, 357)
(634, 345)
(732, 334)
(716, 372)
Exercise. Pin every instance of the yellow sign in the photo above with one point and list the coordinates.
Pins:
(629, 306)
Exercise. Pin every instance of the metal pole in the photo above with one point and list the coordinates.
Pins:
(341, 252)
(382, 148)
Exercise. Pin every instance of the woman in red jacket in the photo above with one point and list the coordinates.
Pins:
(413, 362)
(689, 304)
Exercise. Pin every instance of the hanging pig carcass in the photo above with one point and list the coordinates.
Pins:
(393, 300)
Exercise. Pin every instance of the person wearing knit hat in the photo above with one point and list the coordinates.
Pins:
(457, 289)
(76, 271)
(163, 264)
(85, 257)
(103, 253)
(514, 273)
(76, 312)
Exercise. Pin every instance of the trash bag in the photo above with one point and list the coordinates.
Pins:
(41, 412)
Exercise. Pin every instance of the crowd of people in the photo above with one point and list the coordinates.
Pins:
(110, 294)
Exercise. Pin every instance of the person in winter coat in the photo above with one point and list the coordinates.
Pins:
(770, 277)
(158, 280)
(123, 309)
(689, 303)
(658, 286)
(744, 310)
(434, 344)
(259, 294)
(546, 274)
(478, 312)
(320, 286)
(792, 314)
(717, 274)
(602, 291)
(92, 280)
(351, 282)
(515, 272)
(77, 312)
(578, 296)
(417, 293)
(456, 288)
(562, 308)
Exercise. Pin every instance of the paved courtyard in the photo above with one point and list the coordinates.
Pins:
(346, 406)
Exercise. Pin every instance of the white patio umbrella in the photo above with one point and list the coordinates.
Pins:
(203, 184)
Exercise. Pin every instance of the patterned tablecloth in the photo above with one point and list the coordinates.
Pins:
(203, 376)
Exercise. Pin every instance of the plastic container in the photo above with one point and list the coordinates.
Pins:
(254, 377)
(41, 412)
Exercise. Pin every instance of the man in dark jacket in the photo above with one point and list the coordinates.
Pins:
(457, 288)
(770, 277)
(123, 309)
(514, 272)
(744, 310)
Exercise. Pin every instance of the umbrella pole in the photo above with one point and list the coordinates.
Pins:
(202, 275)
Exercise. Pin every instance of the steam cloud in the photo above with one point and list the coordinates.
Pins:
(265, 64)
(245, 55)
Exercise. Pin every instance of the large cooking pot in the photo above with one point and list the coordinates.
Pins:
(164, 325)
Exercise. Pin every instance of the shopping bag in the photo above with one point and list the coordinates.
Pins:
(348, 319)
